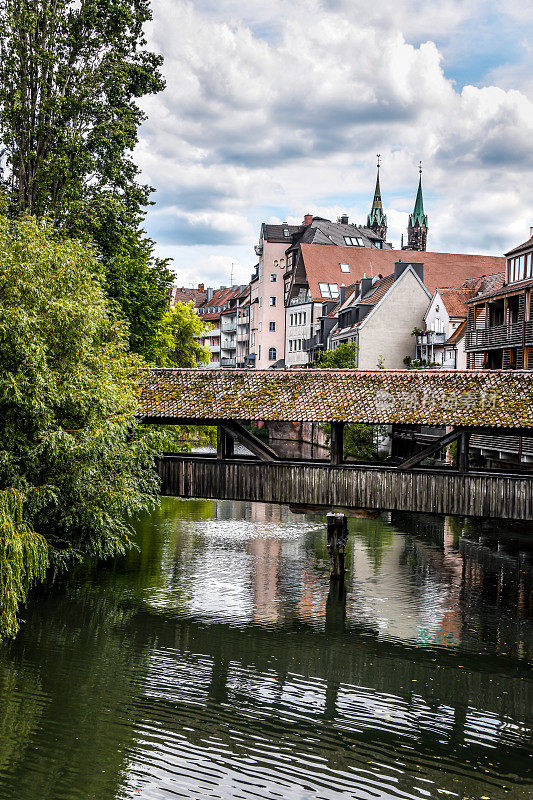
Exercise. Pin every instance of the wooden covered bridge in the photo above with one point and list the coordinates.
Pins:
(467, 403)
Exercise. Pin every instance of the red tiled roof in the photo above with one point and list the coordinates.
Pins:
(322, 264)
(479, 398)
(184, 295)
(455, 299)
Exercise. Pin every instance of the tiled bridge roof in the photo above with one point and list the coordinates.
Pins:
(430, 397)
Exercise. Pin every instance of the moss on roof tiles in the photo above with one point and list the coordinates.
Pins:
(501, 399)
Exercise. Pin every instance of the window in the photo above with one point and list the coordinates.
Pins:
(299, 344)
(260, 327)
(259, 353)
(290, 345)
(273, 277)
(345, 267)
(299, 318)
(354, 241)
(253, 339)
(304, 317)
(272, 326)
(328, 289)
(272, 301)
(272, 354)
(286, 232)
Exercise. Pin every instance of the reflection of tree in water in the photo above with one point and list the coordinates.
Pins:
(22, 706)
(375, 534)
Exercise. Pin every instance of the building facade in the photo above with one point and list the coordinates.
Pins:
(500, 327)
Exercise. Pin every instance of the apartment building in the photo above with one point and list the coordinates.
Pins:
(499, 331)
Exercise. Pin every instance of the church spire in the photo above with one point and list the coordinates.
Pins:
(377, 220)
(417, 228)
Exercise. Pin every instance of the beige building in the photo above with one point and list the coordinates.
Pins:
(380, 318)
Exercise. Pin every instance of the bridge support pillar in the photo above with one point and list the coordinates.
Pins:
(336, 447)
(337, 536)
(225, 443)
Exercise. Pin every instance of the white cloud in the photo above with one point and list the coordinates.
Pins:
(279, 110)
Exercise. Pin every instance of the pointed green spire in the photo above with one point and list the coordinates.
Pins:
(376, 218)
(418, 213)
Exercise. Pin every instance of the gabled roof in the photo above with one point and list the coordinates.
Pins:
(322, 264)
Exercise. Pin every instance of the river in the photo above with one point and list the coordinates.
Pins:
(214, 661)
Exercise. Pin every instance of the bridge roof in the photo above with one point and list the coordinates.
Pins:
(429, 397)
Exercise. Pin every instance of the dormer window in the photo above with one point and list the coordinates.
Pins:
(354, 241)
(329, 290)
(520, 267)
(286, 232)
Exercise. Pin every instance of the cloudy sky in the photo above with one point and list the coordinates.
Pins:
(276, 109)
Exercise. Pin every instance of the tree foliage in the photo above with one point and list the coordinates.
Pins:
(68, 396)
(178, 338)
(343, 357)
(71, 74)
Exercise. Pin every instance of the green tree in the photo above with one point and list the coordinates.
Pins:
(70, 470)
(71, 74)
(177, 342)
(358, 438)
(343, 357)
(70, 77)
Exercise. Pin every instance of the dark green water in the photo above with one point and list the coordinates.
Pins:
(215, 662)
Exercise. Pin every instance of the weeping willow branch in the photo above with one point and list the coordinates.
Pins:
(23, 559)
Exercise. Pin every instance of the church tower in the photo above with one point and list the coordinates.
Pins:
(376, 220)
(417, 228)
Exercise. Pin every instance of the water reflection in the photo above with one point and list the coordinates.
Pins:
(217, 662)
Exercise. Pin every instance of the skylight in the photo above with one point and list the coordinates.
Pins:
(344, 267)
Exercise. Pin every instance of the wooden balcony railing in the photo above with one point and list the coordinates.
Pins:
(499, 336)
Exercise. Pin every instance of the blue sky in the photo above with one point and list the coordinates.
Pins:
(275, 110)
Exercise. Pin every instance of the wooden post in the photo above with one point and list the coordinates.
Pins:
(337, 535)
(225, 443)
(463, 451)
(337, 443)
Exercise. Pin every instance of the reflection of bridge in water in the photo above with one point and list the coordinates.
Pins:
(467, 403)
(343, 683)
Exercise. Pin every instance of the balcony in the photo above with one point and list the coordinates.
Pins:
(231, 327)
(229, 344)
(496, 337)
(212, 332)
(228, 362)
(215, 348)
(258, 249)
(428, 338)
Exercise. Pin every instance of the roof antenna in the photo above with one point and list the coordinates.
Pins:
(231, 276)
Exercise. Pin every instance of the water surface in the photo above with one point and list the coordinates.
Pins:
(216, 662)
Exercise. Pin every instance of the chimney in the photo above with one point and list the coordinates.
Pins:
(342, 295)
(344, 219)
(357, 288)
(200, 287)
(209, 294)
(308, 219)
(366, 285)
(401, 266)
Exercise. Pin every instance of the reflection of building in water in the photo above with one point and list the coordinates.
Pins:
(266, 555)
